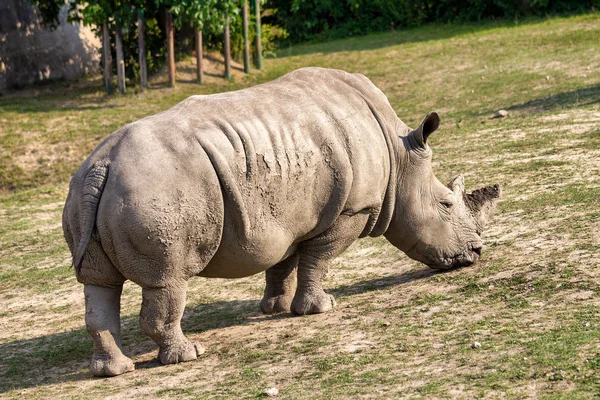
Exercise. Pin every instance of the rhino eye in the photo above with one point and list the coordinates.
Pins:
(447, 204)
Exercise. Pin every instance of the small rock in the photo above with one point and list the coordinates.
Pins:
(438, 346)
(587, 324)
(386, 323)
(271, 392)
(475, 345)
(499, 114)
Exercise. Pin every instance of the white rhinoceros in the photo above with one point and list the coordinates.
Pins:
(281, 177)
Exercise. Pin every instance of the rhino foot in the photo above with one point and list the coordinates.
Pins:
(106, 365)
(181, 352)
(312, 303)
(276, 304)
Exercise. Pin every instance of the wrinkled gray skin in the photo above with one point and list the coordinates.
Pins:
(281, 177)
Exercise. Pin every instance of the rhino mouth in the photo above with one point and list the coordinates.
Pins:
(462, 259)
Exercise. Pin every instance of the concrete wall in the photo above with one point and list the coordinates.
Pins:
(30, 53)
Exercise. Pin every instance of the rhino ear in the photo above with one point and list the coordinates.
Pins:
(427, 127)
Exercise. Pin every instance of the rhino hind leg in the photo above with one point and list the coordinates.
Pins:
(314, 257)
(103, 322)
(160, 319)
(280, 286)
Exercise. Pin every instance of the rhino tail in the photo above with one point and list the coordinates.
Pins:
(93, 186)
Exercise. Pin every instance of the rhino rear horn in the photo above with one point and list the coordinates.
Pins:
(457, 185)
(427, 127)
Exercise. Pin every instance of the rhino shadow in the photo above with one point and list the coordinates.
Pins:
(64, 357)
(383, 282)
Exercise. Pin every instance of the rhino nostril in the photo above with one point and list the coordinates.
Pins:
(477, 250)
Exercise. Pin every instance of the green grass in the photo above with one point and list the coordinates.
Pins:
(399, 331)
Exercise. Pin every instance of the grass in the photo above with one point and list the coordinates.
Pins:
(400, 330)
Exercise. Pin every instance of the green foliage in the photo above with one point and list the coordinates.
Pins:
(322, 19)
(206, 15)
(209, 16)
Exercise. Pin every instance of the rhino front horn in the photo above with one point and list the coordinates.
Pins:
(482, 202)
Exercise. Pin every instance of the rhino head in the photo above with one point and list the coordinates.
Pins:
(439, 225)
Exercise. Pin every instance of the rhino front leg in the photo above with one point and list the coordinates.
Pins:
(103, 322)
(160, 319)
(310, 297)
(314, 257)
(280, 287)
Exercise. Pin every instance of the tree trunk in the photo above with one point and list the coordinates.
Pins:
(142, 50)
(199, 54)
(258, 38)
(227, 51)
(171, 49)
(107, 58)
(120, 60)
(245, 33)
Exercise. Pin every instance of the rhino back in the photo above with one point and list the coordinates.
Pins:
(227, 185)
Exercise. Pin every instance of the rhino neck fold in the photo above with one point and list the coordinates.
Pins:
(380, 219)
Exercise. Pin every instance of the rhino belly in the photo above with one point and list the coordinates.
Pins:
(240, 257)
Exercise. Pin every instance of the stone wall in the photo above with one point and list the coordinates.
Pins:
(30, 53)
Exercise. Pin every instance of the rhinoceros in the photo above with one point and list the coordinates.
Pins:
(281, 177)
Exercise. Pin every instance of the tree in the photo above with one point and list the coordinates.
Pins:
(120, 58)
(142, 49)
(106, 58)
(245, 34)
(111, 20)
(258, 35)
(212, 15)
(106, 13)
(227, 50)
(170, 47)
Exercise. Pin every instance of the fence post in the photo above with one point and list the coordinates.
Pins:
(142, 50)
(199, 55)
(170, 48)
(120, 60)
(227, 51)
(245, 33)
(258, 38)
(107, 58)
